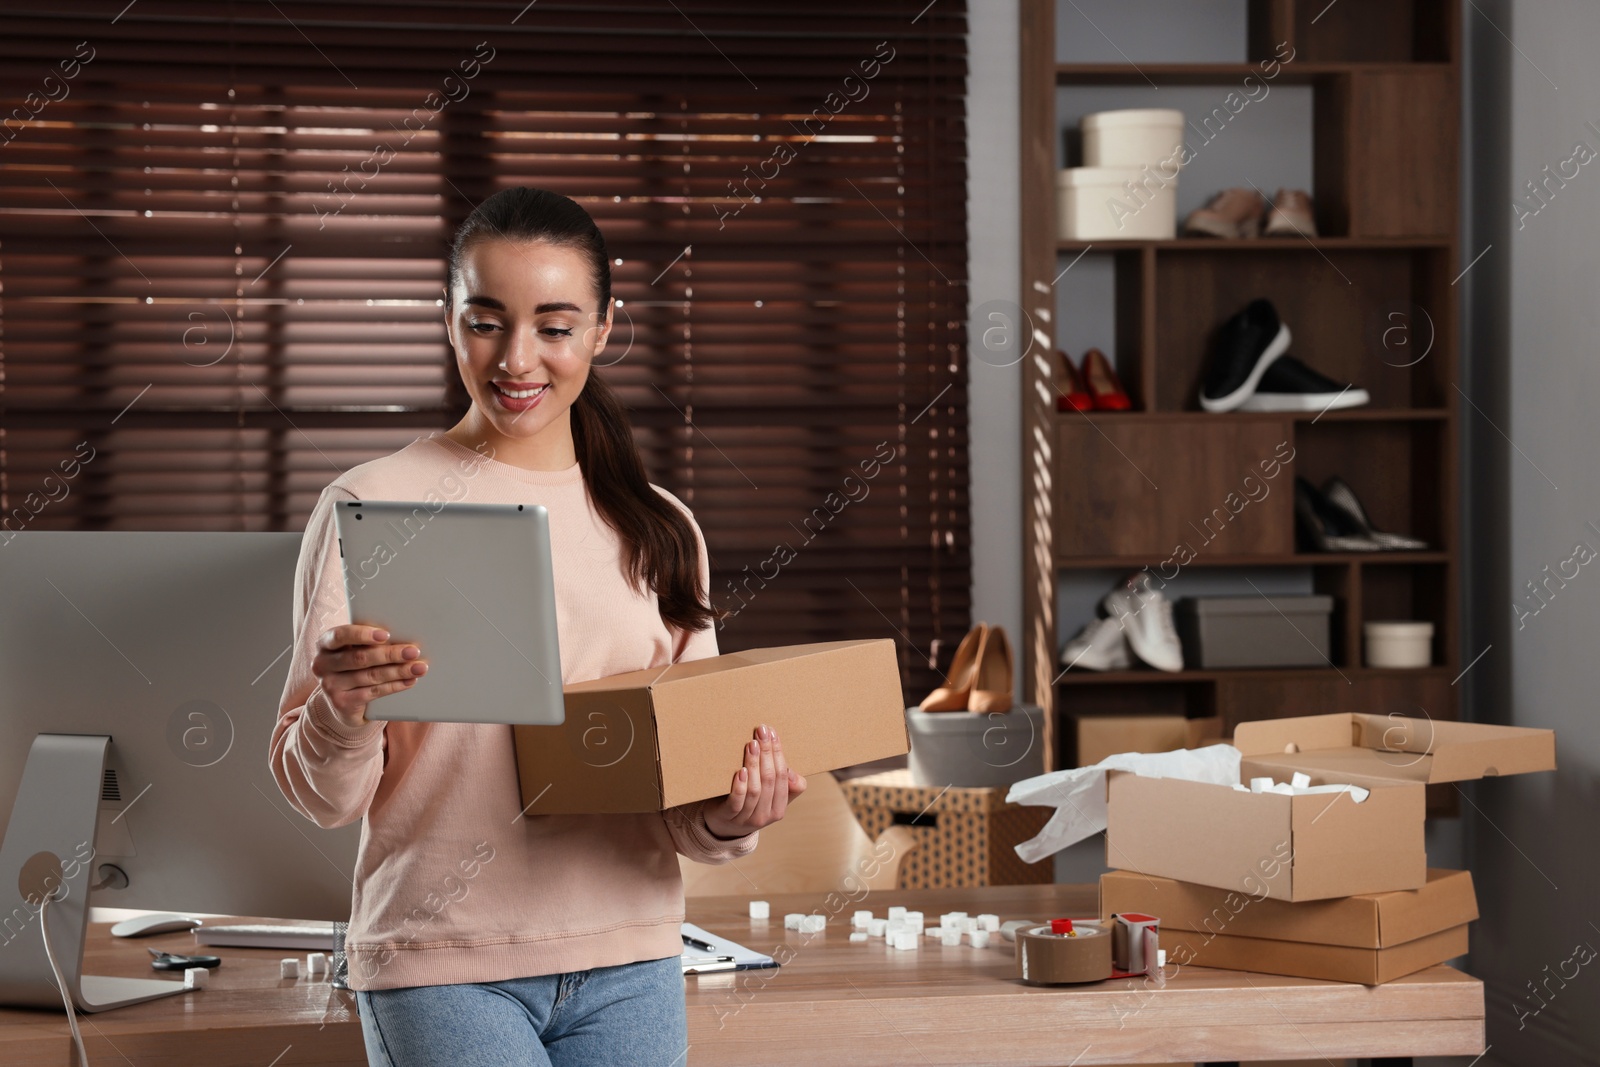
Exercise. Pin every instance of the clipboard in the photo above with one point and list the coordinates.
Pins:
(744, 959)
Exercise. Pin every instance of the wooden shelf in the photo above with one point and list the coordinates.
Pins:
(1343, 415)
(1294, 72)
(1372, 303)
(1258, 244)
(1284, 559)
(1151, 676)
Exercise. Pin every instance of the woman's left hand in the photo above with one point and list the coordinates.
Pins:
(761, 789)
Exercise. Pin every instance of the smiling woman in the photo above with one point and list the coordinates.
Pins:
(528, 308)
(575, 908)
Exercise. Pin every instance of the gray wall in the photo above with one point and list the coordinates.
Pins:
(1533, 490)
(995, 382)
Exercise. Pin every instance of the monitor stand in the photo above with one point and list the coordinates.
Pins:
(49, 849)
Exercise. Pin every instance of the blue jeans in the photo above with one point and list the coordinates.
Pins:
(633, 1014)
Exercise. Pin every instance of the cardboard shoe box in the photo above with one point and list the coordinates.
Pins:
(1099, 736)
(1333, 963)
(1370, 939)
(1314, 846)
(654, 739)
(1366, 921)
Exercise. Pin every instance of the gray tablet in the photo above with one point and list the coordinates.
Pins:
(471, 585)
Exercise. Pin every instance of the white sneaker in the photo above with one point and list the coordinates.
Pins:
(1146, 617)
(1099, 646)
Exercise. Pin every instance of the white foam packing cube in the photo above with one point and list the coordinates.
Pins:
(289, 968)
(979, 938)
(195, 977)
(316, 964)
(877, 927)
(1300, 780)
(989, 922)
(905, 939)
(813, 924)
(915, 918)
(858, 935)
(966, 924)
(1357, 793)
(897, 912)
(951, 936)
(760, 909)
(1260, 785)
(861, 919)
(934, 932)
(791, 920)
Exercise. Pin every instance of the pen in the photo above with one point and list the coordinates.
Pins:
(716, 963)
(699, 944)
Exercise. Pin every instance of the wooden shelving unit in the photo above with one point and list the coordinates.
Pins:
(1117, 492)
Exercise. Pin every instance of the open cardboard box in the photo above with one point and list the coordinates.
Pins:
(1375, 750)
(655, 739)
(1266, 844)
(1316, 846)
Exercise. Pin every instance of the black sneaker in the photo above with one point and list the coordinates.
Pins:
(1289, 385)
(1245, 347)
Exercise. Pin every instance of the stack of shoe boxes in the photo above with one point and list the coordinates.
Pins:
(1329, 881)
(1127, 188)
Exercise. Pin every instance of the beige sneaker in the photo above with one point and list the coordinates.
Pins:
(1231, 213)
(1290, 215)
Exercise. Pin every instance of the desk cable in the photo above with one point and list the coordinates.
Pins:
(61, 983)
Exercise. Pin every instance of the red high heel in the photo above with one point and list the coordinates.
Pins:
(1103, 385)
(1071, 394)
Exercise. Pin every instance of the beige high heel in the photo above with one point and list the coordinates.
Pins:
(992, 681)
(954, 694)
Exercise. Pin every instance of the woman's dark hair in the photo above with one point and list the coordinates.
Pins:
(658, 541)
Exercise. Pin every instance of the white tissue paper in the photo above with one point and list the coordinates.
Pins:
(1079, 795)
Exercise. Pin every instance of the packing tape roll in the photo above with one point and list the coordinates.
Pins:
(1045, 958)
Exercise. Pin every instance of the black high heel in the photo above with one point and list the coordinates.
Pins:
(1342, 498)
(1324, 528)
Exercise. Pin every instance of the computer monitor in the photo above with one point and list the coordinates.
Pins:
(175, 647)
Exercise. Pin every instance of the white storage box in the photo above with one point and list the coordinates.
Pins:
(1116, 204)
(1399, 643)
(1133, 138)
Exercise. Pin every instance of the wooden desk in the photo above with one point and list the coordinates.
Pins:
(862, 1004)
(835, 1002)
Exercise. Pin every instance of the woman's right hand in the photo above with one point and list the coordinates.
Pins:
(357, 664)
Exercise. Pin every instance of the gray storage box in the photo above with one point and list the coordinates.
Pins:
(1255, 631)
(966, 749)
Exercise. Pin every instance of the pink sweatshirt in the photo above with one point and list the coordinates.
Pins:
(452, 883)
